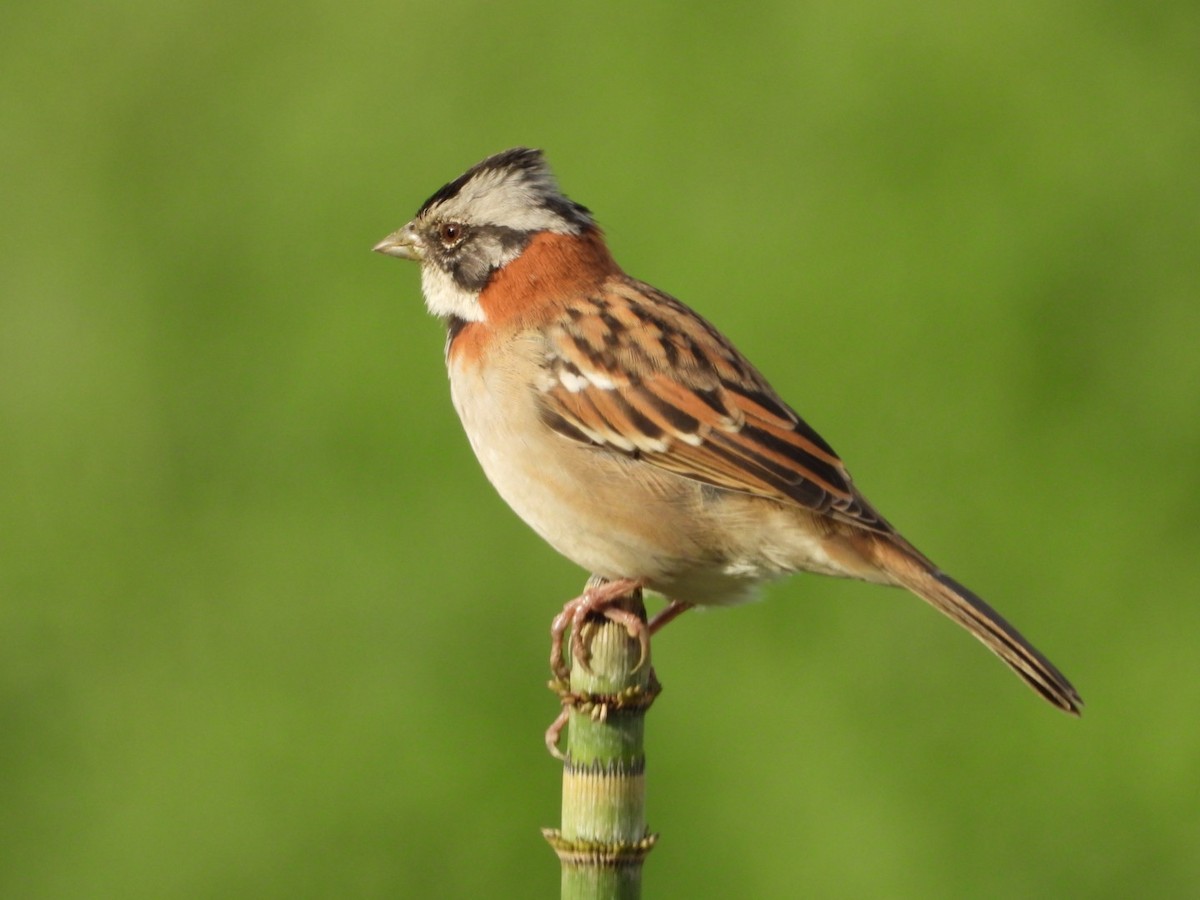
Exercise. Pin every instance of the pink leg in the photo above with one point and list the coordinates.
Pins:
(599, 600)
(672, 611)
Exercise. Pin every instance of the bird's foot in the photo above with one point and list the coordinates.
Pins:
(598, 598)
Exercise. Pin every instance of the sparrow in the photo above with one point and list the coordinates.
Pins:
(631, 435)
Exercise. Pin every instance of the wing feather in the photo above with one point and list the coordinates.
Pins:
(634, 371)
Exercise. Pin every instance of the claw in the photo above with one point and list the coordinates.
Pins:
(554, 732)
(598, 597)
(580, 652)
(558, 628)
(635, 627)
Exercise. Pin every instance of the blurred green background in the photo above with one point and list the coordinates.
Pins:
(268, 632)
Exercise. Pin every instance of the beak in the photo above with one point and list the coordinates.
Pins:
(403, 243)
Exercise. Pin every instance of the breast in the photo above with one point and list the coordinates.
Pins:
(586, 503)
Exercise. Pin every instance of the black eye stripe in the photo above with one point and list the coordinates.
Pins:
(479, 251)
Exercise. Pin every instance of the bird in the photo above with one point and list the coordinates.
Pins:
(631, 434)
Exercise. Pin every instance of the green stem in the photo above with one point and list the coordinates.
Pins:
(603, 840)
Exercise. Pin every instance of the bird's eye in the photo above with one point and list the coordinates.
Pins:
(450, 233)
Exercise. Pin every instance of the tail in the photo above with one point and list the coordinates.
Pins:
(943, 593)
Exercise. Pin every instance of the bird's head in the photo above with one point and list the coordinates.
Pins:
(479, 223)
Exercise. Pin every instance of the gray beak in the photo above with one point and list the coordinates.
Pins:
(403, 243)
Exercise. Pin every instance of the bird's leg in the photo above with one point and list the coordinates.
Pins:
(669, 613)
(599, 598)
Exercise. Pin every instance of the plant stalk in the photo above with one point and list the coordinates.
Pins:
(603, 840)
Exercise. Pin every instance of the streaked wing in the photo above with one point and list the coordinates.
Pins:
(633, 370)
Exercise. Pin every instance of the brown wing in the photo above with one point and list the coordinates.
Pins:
(635, 371)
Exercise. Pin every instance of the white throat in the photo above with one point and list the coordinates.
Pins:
(445, 299)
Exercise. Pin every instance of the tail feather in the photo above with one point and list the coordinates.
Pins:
(949, 597)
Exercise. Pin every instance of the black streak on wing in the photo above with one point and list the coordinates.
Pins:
(806, 463)
(679, 420)
(563, 427)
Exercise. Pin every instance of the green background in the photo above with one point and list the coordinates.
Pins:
(268, 632)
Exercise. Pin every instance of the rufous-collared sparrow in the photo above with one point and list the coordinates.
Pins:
(631, 435)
